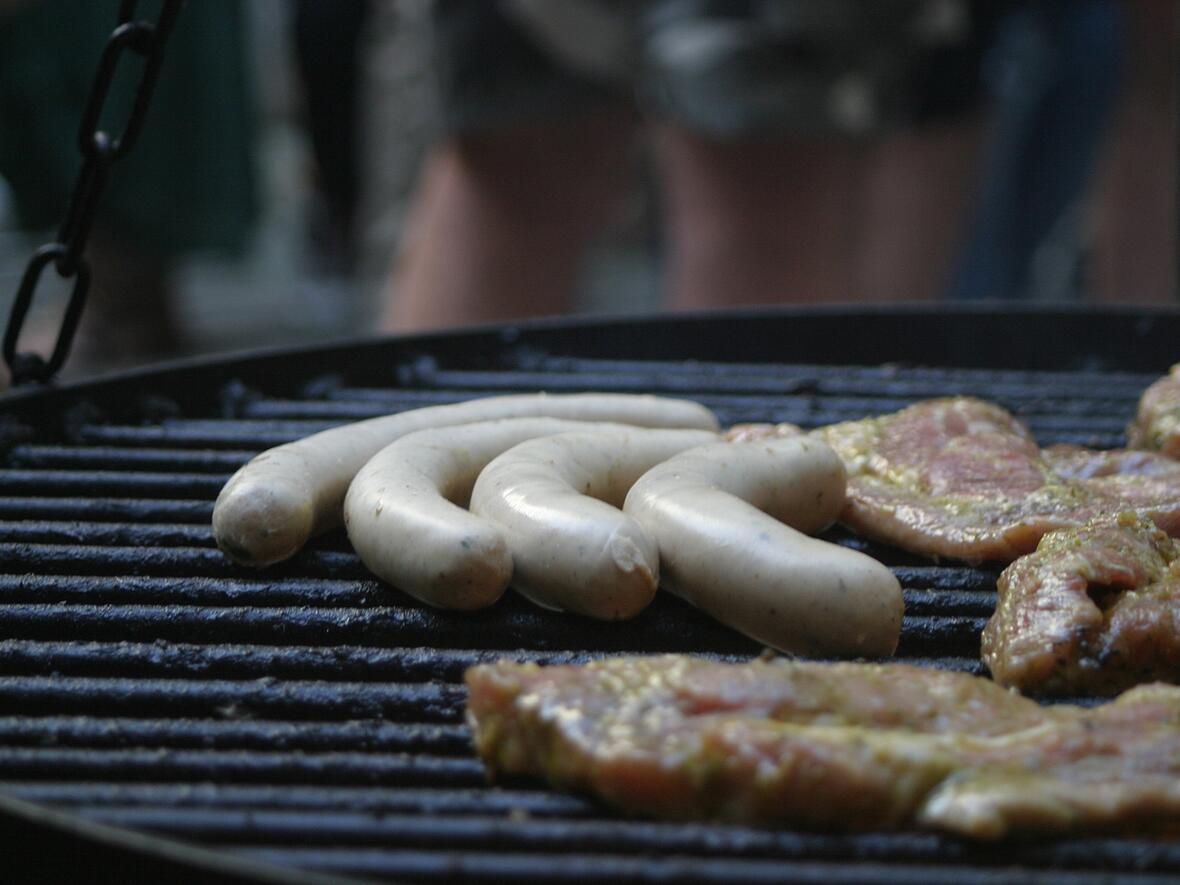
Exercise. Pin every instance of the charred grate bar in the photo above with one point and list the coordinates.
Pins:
(309, 716)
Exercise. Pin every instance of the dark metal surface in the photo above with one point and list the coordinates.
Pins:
(310, 717)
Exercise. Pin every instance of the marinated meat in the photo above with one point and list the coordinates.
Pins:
(1077, 462)
(1113, 767)
(962, 478)
(1095, 609)
(1157, 422)
(834, 745)
(993, 804)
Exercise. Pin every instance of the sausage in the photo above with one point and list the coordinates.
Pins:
(729, 520)
(273, 504)
(405, 513)
(557, 501)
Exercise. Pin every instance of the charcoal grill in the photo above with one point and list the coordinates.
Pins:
(306, 717)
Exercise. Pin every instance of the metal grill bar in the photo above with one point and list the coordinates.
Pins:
(130, 590)
(112, 458)
(806, 410)
(106, 509)
(123, 534)
(426, 371)
(351, 663)
(107, 482)
(133, 590)
(243, 766)
(380, 800)
(381, 625)
(252, 437)
(261, 698)
(924, 381)
(208, 734)
(187, 561)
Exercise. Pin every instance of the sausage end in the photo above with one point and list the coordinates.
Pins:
(260, 524)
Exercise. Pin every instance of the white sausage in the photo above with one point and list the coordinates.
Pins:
(273, 504)
(557, 501)
(715, 511)
(405, 513)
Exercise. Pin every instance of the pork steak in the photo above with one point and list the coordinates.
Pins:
(847, 746)
(1157, 421)
(1094, 610)
(962, 478)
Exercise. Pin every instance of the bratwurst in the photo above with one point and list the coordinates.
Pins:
(847, 745)
(557, 501)
(278, 500)
(730, 521)
(406, 517)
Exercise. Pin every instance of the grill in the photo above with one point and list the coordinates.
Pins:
(306, 717)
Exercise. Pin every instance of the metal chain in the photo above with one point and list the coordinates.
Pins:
(99, 151)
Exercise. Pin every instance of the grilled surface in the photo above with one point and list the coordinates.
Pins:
(308, 715)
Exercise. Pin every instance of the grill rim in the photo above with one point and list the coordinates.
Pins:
(1128, 335)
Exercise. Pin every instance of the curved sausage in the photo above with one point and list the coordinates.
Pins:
(557, 501)
(405, 513)
(715, 513)
(276, 502)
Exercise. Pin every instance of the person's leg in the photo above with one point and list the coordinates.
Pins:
(1135, 257)
(814, 220)
(130, 316)
(914, 219)
(500, 220)
(758, 221)
(327, 36)
(1052, 74)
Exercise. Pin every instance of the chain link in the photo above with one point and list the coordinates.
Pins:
(99, 151)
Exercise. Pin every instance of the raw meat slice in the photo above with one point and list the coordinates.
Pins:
(1157, 422)
(1095, 609)
(835, 745)
(962, 478)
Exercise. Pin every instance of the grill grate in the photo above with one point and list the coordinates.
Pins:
(309, 716)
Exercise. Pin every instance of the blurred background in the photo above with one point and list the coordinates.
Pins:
(313, 169)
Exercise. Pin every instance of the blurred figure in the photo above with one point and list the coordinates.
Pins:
(187, 185)
(327, 40)
(1134, 231)
(1077, 197)
(1052, 77)
(812, 150)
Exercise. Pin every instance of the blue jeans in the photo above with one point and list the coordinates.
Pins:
(1053, 75)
